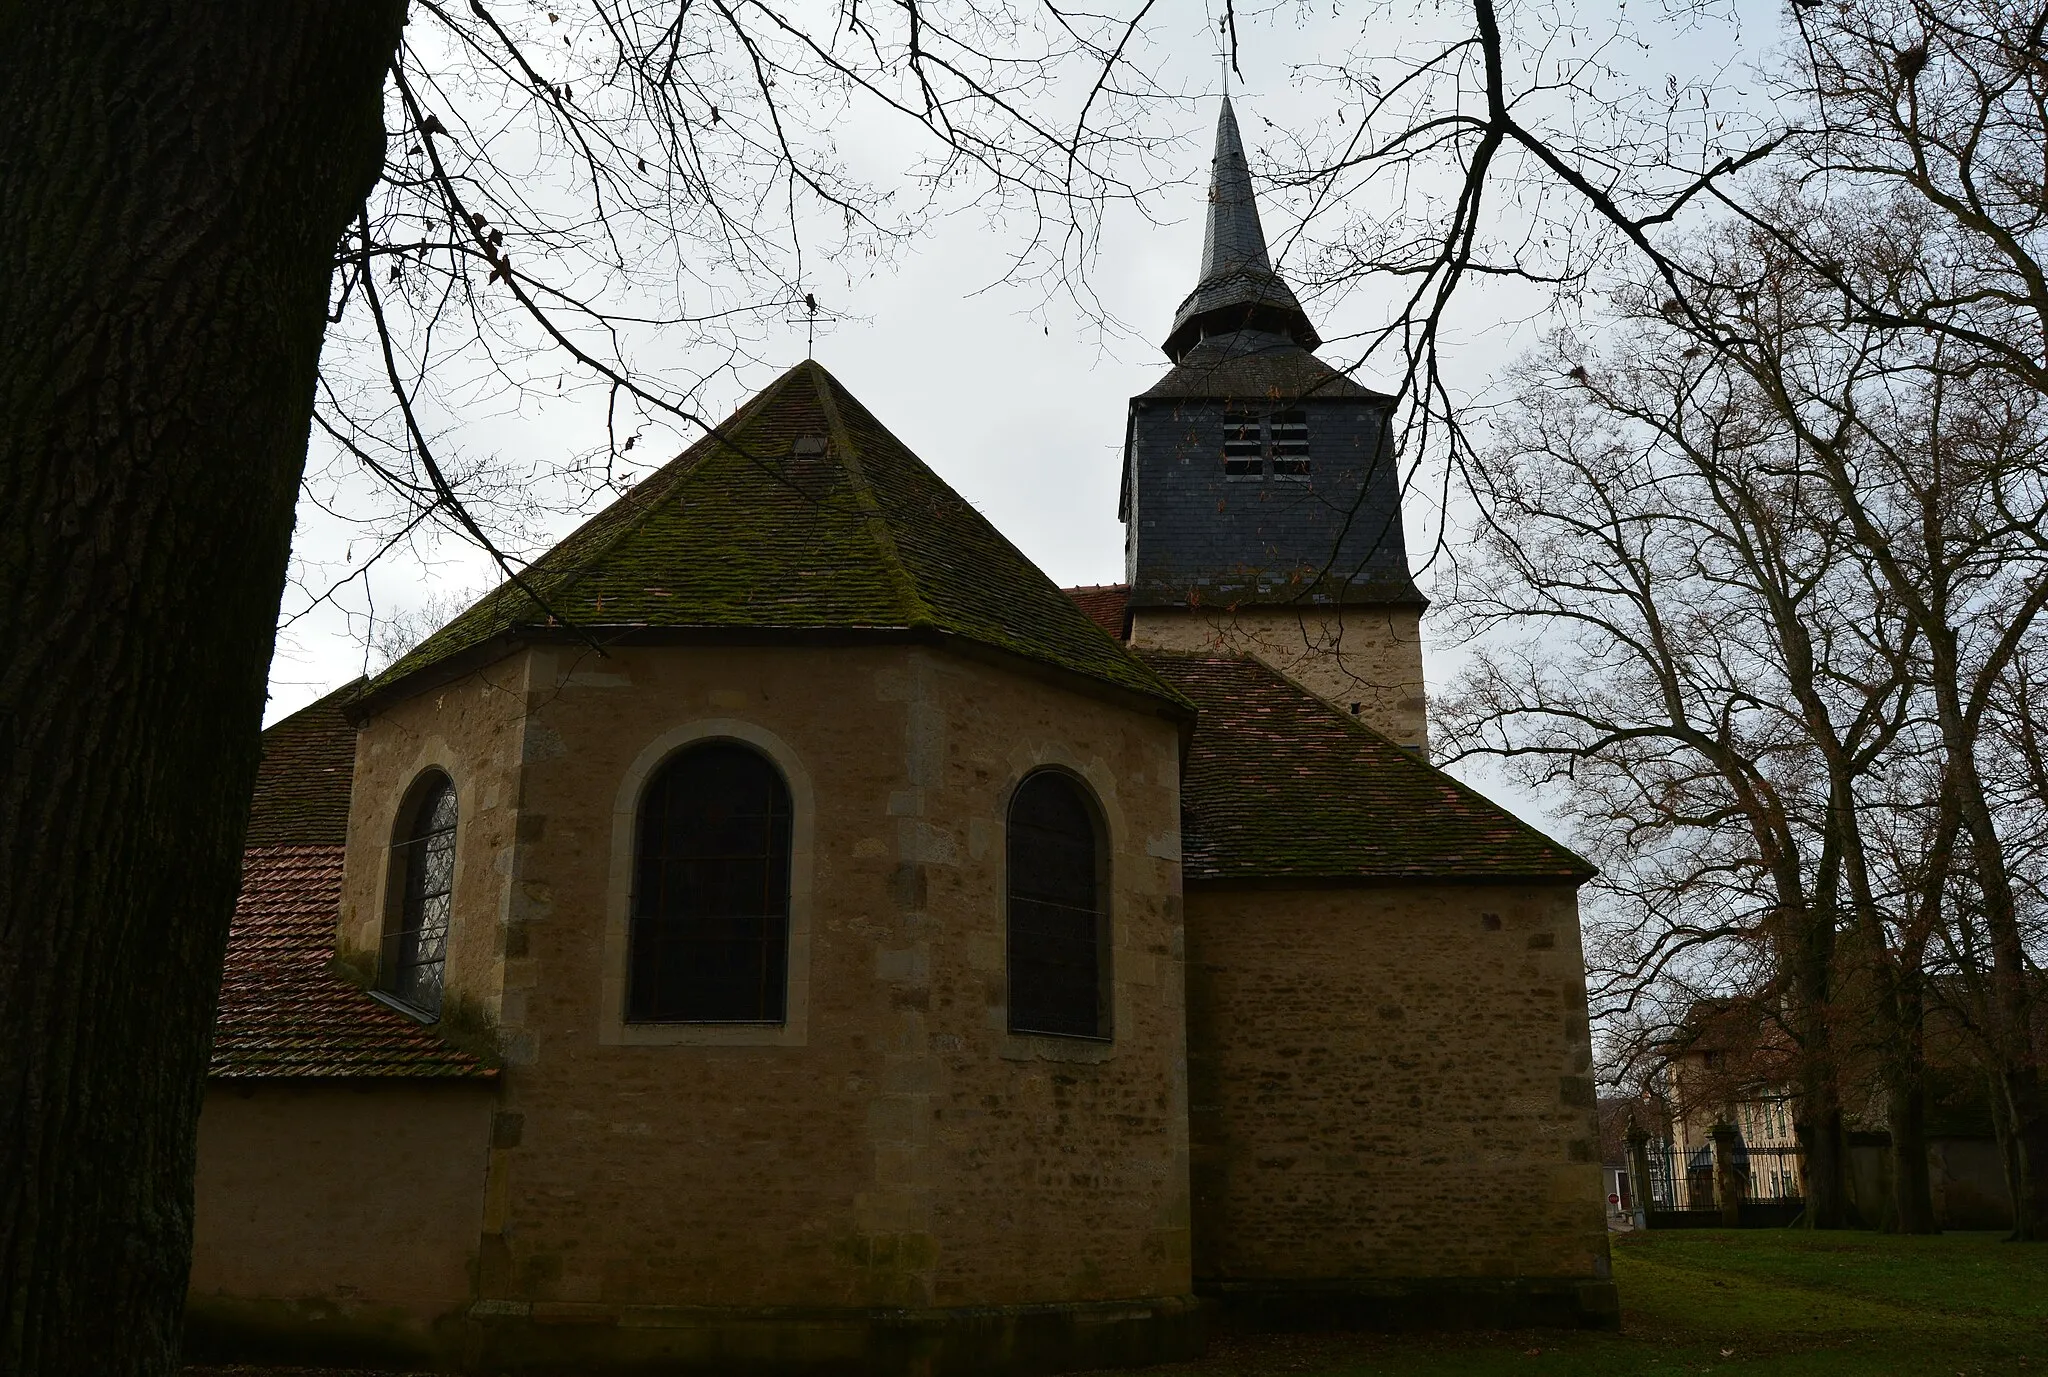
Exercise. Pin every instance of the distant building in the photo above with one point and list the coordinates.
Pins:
(790, 934)
(1731, 1062)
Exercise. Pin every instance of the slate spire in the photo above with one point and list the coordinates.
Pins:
(1238, 289)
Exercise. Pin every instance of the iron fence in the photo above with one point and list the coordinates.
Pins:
(1682, 1176)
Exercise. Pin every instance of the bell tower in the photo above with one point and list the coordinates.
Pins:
(1261, 506)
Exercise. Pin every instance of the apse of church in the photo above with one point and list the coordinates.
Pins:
(797, 937)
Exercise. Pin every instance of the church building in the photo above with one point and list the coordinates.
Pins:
(786, 933)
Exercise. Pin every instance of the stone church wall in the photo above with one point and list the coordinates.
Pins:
(474, 731)
(1362, 660)
(1392, 1108)
(680, 1193)
(336, 1220)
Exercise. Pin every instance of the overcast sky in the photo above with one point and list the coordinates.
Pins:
(1020, 407)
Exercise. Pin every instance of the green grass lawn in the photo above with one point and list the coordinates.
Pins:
(1759, 1303)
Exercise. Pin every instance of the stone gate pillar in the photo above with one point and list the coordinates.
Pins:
(1728, 1191)
(1639, 1173)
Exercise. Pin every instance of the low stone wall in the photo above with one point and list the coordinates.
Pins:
(337, 1221)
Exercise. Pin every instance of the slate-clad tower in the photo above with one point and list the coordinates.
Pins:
(1261, 500)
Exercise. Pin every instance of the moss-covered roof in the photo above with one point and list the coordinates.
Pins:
(802, 513)
(302, 785)
(1279, 785)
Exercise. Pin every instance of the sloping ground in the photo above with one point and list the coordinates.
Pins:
(1761, 1303)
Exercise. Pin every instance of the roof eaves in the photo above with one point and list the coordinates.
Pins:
(1267, 878)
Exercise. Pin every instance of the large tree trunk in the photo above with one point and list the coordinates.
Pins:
(1809, 956)
(1912, 1183)
(173, 181)
(1905, 1056)
(2026, 1144)
(1824, 1155)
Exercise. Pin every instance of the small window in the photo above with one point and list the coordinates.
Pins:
(416, 944)
(1289, 444)
(710, 920)
(1057, 933)
(1242, 451)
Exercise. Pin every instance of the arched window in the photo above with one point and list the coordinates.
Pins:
(416, 941)
(710, 924)
(1058, 937)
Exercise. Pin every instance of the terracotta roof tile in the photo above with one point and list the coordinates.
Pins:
(283, 1011)
(1279, 785)
(1104, 603)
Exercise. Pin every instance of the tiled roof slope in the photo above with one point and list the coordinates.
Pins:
(283, 1013)
(302, 785)
(1256, 367)
(1279, 785)
(1104, 603)
(763, 527)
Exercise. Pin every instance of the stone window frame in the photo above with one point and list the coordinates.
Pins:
(794, 1030)
(397, 868)
(1116, 843)
(1104, 885)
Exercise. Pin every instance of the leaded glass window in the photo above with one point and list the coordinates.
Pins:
(710, 926)
(1057, 929)
(416, 945)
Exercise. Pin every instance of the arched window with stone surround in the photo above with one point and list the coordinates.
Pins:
(709, 940)
(423, 864)
(1057, 918)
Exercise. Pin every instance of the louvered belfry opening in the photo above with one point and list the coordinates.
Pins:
(710, 919)
(1057, 929)
(416, 944)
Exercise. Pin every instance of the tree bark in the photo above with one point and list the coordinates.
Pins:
(1809, 961)
(173, 182)
(1901, 1020)
(1912, 1186)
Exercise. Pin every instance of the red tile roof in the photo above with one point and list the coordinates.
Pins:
(1279, 785)
(283, 1010)
(1104, 603)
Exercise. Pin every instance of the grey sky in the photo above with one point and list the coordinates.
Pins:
(1019, 405)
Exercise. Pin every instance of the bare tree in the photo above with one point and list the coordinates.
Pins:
(1931, 446)
(1685, 642)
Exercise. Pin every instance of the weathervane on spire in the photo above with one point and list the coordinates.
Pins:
(1226, 44)
(809, 320)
